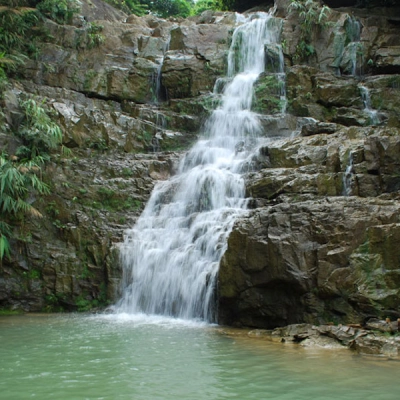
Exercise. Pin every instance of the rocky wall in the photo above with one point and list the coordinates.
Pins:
(319, 244)
(127, 101)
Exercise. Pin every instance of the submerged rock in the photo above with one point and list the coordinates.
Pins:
(333, 337)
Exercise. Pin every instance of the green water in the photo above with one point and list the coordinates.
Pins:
(105, 357)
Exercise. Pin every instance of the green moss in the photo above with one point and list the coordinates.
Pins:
(177, 144)
(394, 82)
(89, 77)
(5, 312)
(127, 173)
(201, 106)
(145, 136)
(85, 302)
(267, 94)
(109, 200)
(32, 274)
(52, 304)
(364, 248)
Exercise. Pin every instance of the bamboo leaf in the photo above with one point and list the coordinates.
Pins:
(4, 247)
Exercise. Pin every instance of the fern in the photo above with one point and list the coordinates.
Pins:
(5, 232)
(39, 133)
(312, 18)
(21, 173)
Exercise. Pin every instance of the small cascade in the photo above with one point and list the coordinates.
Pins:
(158, 92)
(161, 126)
(152, 126)
(373, 117)
(171, 256)
(348, 177)
(353, 53)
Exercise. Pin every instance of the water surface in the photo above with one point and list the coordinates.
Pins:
(120, 357)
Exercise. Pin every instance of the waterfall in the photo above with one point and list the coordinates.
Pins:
(158, 92)
(348, 177)
(355, 47)
(349, 49)
(373, 117)
(171, 256)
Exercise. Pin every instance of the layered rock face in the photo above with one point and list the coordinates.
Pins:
(319, 245)
(101, 80)
(319, 242)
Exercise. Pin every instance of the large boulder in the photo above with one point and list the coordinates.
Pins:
(196, 57)
(312, 261)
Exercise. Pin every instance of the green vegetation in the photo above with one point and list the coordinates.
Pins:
(243, 5)
(312, 17)
(267, 94)
(21, 172)
(16, 24)
(111, 201)
(21, 24)
(95, 38)
(17, 179)
(39, 134)
(203, 5)
(169, 8)
(129, 6)
(5, 312)
(166, 8)
(60, 11)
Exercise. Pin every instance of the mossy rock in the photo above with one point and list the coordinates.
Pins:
(268, 94)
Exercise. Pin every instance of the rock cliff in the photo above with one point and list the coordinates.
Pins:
(129, 93)
(319, 242)
(319, 246)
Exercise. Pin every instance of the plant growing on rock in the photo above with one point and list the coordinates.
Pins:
(38, 132)
(312, 17)
(17, 23)
(136, 7)
(21, 173)
(95, 38)
(203, 5)
(16, 180)
(60, 11)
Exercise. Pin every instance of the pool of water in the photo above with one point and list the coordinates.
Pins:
(120, 357)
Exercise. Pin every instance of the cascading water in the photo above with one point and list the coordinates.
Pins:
(349, 49)
(348, 177)
(373, 117)
(171, 256)
(355, 47)
(158, 92)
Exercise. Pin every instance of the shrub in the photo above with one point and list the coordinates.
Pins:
(60, 11)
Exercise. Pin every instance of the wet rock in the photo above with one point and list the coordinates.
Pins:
(332, 337)
(290, 262)
(317, 128)
(388, 60)
(381, 325)
(196, 57)
(320, 244)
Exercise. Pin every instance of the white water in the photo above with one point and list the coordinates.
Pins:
(171, 256)
(158, 94)
(348, 177)
(373, 117)
(355, 47)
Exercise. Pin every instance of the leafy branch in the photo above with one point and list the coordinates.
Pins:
(21, 173)
(312, 18)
